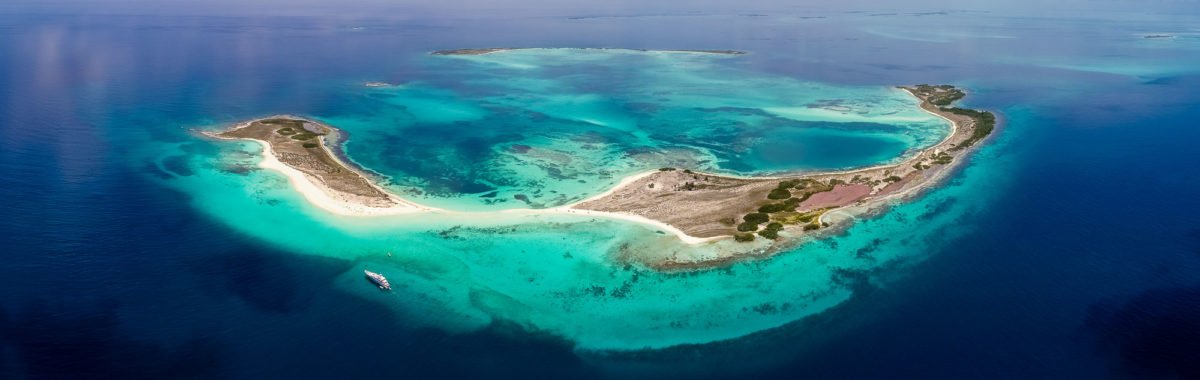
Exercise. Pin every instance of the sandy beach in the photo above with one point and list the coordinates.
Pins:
(683, 236)
(315, 192)
(328, 200)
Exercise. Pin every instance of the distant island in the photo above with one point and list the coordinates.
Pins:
(496, 50)
(697, 207)
(378, 84)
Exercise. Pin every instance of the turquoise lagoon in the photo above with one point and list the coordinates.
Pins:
(471, 133)
(557, 125)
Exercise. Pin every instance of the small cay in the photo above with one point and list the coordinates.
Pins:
(297, 147)
(299, 143)
(482, 51)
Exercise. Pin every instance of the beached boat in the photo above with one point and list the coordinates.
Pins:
(378, 280)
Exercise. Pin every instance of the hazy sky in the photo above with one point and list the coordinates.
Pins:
(502, 8)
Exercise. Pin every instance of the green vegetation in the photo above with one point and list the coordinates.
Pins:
(787, 205)
(944, 95)
(666, 169)
(311, 145)
(791, 203)
(779, 194)
(798, 217)
(756, 218)
(785, 211)
(811, 219)
(942, 159)
(945, 98)
(818, 187)
(752, 221)
(941, 95)
(288, 123)
(931, 88)
(743, 237)
(771, 208)
(769, 234)
(772, 231)
(781, 191)
(985, 122)
(293, 128)
(892, 179)
(786, 217)
(304, 136)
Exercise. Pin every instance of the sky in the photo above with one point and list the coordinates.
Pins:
(508, 8)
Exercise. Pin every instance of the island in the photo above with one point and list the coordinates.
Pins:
(378, 84)
(299, 148)
(697, 207)
(709, 205)
(483, 51)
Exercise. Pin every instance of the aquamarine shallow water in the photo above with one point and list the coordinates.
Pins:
(579, 131)
(134, 248)
(568, 276)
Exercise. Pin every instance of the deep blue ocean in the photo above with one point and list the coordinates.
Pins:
(1084, 264)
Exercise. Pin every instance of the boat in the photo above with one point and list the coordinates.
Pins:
(378, 280)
